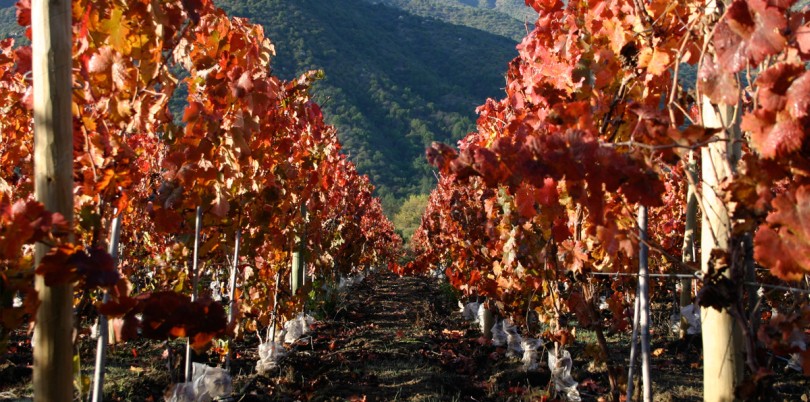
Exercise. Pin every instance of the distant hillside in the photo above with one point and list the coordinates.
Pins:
(394, 82)
(8, 20)
(502, 17)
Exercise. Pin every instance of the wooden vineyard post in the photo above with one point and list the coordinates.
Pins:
(103, 329)
(487, 321)
(274, 318)
(194, 279)
(298, 260)
(232, 292)
(641, 315)
(722, 351)
(752, 288)
(644, 303)
(688, 254)
(53, 184)
(633, 350)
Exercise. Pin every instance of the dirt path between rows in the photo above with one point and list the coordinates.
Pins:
(395, 339)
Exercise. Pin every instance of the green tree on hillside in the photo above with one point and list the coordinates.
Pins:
(409, 216)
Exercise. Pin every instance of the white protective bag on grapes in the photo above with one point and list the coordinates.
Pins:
(182, 392)
(269, 355)
(560, 367)
(297, 328)
(211, 383)
(206, 385)
(498, 334)
(532, 351)
(692, 314)
(470, 311)
(513, 339)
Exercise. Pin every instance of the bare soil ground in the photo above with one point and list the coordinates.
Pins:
(390, 338)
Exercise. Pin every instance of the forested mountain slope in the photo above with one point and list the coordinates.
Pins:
(502, 17)
(394, 81)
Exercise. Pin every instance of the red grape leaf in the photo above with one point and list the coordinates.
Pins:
(560, 230)
(54, 265)
(750, 32)
(783, 244)
(23, 54)
(524, 200)
(582, 310)
(70, 263)
(440, 155)
(777, 127)
(24, 12)
(26, 221)
(798, 97)
(545, 6)
(773, 85)
(117, 307)
(773, 135)
(803, 39)
(718, 85)
(95, 268)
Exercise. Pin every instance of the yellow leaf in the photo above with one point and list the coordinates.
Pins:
(117, 30)
(659, 62)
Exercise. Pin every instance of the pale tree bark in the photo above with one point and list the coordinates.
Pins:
(722, 340)
(53, 185)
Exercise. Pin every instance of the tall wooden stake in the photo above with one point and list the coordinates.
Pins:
(53, 184)
(232, 291)
(644, 303)
(633, 351)
(103, 329)
(298, 260)
(722, 340)
(688, 254)
(194, 280)
(272, 330)
(487, 321)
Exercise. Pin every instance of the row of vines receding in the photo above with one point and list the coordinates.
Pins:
(616, 105)
(250, 150)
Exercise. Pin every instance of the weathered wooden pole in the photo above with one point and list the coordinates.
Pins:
(103, 329)
(722, 340)
(232, 291)
(644, 303)
(298, 258)
(194, 279)
(53, 186)
(688, 253)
